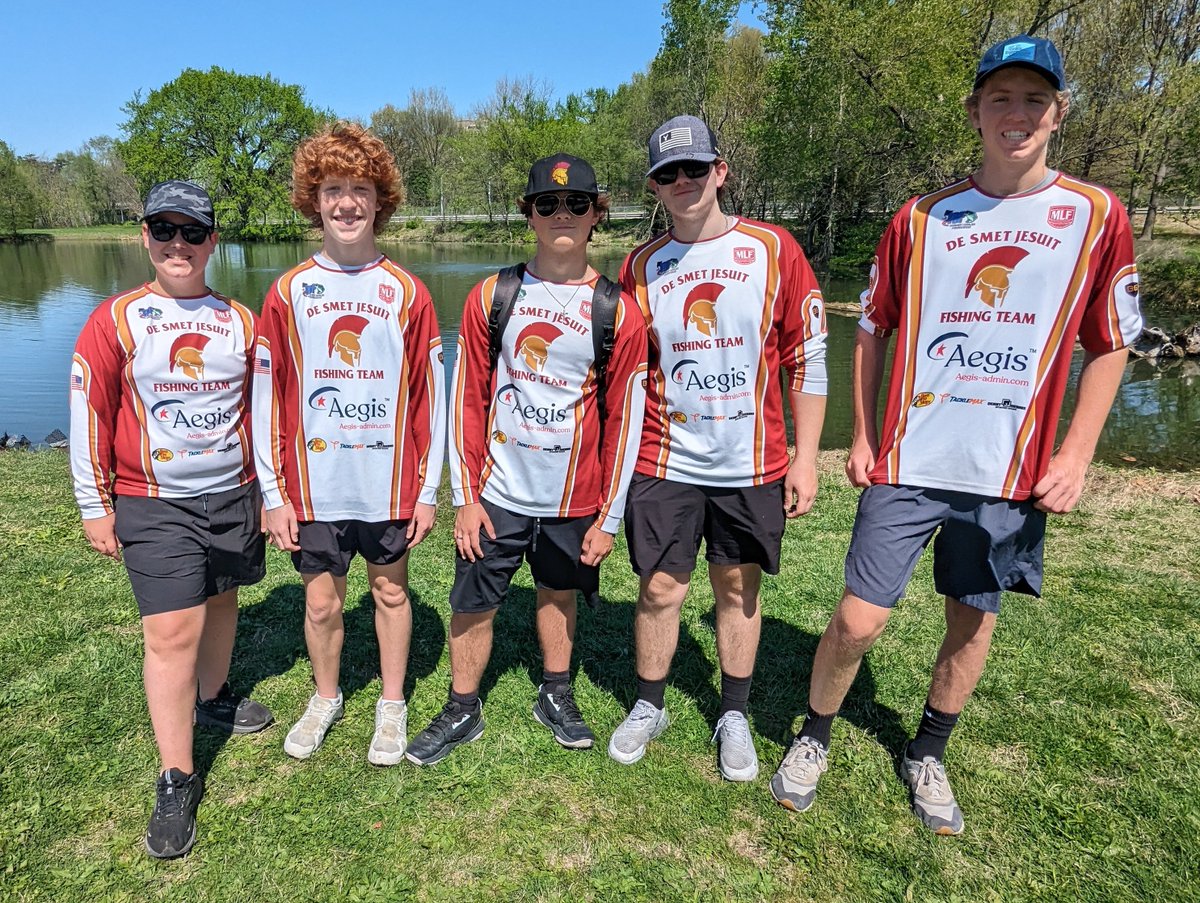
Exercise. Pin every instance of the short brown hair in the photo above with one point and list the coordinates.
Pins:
(344, 149)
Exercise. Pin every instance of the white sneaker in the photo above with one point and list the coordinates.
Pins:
(309, 732)
(736, 755)
(641, 725)
(391, 733)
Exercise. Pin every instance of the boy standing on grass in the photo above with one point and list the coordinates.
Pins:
(545, 425)
(988, 283)
(349, 417)
(164, 473)
(730, 302)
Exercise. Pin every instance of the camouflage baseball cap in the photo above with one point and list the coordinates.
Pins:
(178, 196)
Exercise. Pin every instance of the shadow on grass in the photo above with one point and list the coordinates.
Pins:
(270, 640)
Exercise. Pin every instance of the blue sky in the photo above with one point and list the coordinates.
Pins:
(69, 67)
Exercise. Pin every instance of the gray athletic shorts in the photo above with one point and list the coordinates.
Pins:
(329, 546)
(983, 545)
(178, 552)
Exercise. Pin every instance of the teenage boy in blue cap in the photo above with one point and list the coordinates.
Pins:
(987, 283)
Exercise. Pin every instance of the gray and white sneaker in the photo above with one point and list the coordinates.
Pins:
(794, 784)
(932, 800)
(641, 725)
(391, 733)
(736, 756)
(309, 732)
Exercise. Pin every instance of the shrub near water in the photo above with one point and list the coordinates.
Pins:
(1170, 275)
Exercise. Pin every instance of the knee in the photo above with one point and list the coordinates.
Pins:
(662, 592)
(856, 630)
(388, 595)
(322, 610)
(172, 637)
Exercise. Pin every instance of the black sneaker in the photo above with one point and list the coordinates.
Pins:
(452, 727)
(231, 713)
(172, 829)
(559, 712)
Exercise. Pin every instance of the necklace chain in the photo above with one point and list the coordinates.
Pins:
(559, 301)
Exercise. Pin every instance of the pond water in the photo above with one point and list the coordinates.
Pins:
(47, 291)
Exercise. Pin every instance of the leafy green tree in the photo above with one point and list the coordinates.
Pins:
(233, 133)
(18, 204)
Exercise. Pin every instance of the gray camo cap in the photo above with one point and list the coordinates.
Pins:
(682, 138)
(178, 196)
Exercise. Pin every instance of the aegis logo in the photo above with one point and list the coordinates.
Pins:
(175, 415)
(688, 375)
(326, 399)
(510, 396)
(948, 349)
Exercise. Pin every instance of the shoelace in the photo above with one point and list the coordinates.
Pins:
(444, 723)
(643, 713)
(170, 801)
(805, 753)
(931, 777)
(737, 730)
(566, 705)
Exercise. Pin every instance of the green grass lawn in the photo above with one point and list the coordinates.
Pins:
(1077, 763)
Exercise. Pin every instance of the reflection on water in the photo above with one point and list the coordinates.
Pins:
(48, 290)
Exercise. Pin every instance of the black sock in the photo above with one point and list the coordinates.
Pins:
(817, 726)
(465, 700)
(735, 693)
(653, 691)
(555, 681)
(932, 734)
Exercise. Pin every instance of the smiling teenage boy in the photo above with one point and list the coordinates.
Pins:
(987, 283)
(544, 425)
(349, 413)
(164, 474)
(730, 303)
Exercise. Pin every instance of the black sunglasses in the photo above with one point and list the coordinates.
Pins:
(548, 204)
(693, 169)
(193, 233)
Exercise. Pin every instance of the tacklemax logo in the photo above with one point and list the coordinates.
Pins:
(699, 308)
(688, 375)
(510, 396)
(345, 337)
(533, 344)
(171, 411)
(326, 399)
(187, 353)
(947, 349)
(990, 274)
(312, 289)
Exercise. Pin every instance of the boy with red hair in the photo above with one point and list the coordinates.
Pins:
(349, 422)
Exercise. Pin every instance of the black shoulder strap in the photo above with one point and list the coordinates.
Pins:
(606, 297)
(504, 296)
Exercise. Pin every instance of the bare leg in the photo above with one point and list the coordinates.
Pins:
(961, 659)
(393, 623)
(216, 642)
(169, 673)
(324, 629)
(470, 649)
(739, 618)
(855, 626)
(556, 610)
(656, 623)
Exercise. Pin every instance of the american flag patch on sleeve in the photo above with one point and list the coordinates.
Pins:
(262, 365)
(77, 382)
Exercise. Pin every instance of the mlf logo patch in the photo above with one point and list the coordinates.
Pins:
(699, 308)
(533, 344)
(387, 293)
(1060, 216)
(187, 353)
(223, 315)
(345, 337)
(990, 274)
(743, 256)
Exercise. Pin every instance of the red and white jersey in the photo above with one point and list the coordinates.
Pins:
(528, 437)
(987, 296)
(160, 397)
(349, 401)
(725, 314)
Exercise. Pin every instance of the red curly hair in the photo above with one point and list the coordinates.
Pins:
(344, 149)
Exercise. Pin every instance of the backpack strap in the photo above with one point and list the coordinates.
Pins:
(606, 297)
(504, 296)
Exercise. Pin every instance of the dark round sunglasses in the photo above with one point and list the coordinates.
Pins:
(548, 204)
(693, 169)
(193, 233)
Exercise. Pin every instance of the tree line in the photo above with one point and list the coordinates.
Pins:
(830, 119)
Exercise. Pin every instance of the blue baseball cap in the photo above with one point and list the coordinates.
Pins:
(1026, 51)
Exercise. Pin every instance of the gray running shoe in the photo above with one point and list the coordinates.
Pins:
(794, 784)
(391, 733)
(641, 725)
(451, 727)
(736, 755)
(309, 732)
(932, 800)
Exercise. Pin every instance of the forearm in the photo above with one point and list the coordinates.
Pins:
(808, 418)
(866, 379)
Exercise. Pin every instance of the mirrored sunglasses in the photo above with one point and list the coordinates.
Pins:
(693, 169)
(548, 204)
(193, 233)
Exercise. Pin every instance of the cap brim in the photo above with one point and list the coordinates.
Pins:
(1047, 74)
(698, 155)
(191, 214)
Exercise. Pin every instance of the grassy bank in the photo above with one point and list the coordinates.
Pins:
(1077, 763)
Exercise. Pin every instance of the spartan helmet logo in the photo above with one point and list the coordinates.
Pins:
(559, 174)
(989, 275)
(699, 307)
(345, 337)
(187, 353)
(533, 344)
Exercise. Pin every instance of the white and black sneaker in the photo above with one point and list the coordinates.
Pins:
(172, 828)
(453, 726)
(559, 712)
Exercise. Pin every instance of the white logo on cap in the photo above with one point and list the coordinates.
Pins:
(679, 137)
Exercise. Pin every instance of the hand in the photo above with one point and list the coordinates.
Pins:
(596, 546)
(422, 521)
(281, 528)
(101, 533)
(799, 488)
(469, 520)
(860, 463)
(1060, 489)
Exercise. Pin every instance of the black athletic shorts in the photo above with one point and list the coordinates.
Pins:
(178, 552)
(984, 545)
(551, 545)
(665, 521)
(329, 546)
